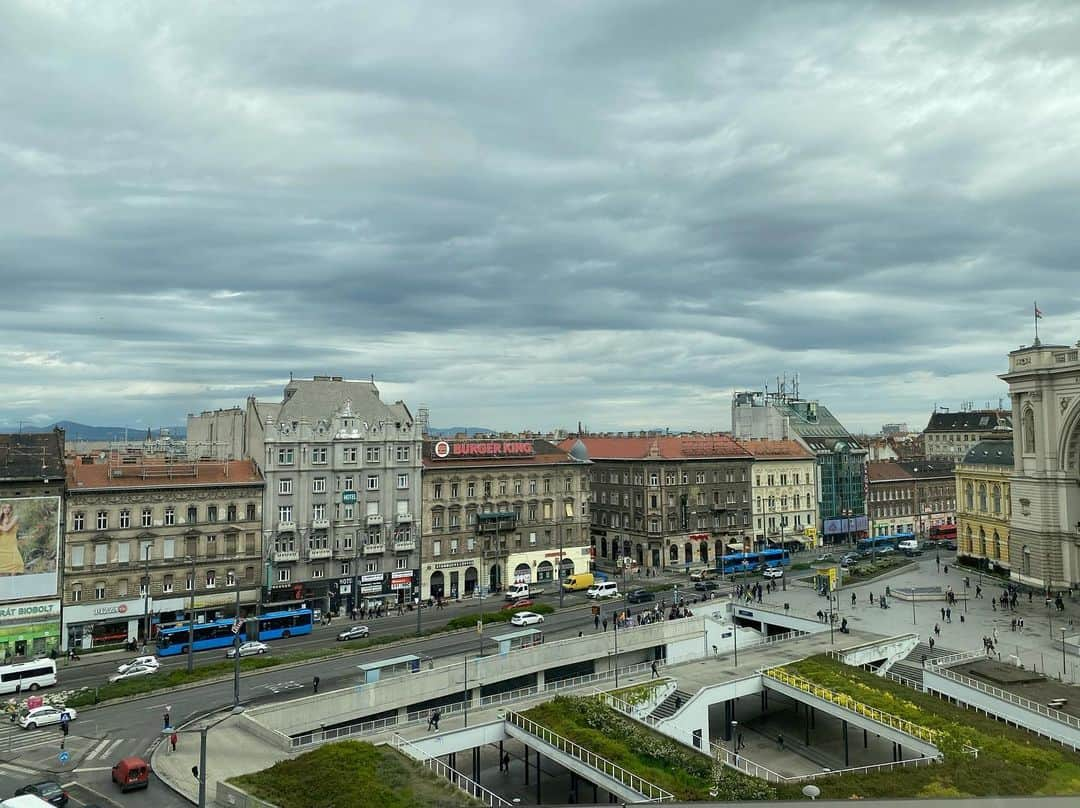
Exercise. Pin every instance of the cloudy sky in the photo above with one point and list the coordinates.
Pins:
(525, 215)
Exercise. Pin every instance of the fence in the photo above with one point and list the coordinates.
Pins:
(652, 793)
(1005, 695)
(747, 766)
(466, 784)
(589, 678)
(849, 703)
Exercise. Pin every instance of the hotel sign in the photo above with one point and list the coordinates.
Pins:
(455, 450)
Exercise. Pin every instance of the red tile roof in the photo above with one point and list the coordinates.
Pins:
(155, 472)
(883, 470)
(763, 449)
(659, 447)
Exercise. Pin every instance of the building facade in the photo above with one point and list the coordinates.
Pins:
(501, 511)
(32, 491)
(935, 493)
(841, 476)
(783, 493)
(147, 534)
(984, 510)
(949, 435)
(668, 501)
(342, 500)
(910, 496)
(1044, 537)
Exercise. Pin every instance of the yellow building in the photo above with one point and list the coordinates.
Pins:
(982, 509)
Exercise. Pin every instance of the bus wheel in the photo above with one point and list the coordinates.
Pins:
(34, 686)
(286, 634)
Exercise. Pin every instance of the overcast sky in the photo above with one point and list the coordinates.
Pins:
(525, 215)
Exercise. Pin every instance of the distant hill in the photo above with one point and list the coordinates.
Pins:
(77, 431)
(450, 431)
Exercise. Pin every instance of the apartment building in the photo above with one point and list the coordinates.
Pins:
(910, 496)
(502, 511)
(984, 511)
(343, 491)
(146, 534)
(949, 435)
(783, 493)
(665, 501)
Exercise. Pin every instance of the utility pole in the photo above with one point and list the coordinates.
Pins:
(146, 595)
(236, 649)
(559, 578)
(419, 576)
(191, 623)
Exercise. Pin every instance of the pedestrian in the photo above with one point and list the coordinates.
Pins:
(995, 634)
(780, 741)
(596, 621)
(1012, 624)
(931, 643)
(739, 743)
(167, 718)
(173, 739)
(852, 598)
(937, 559)
(961, 619)
(604, 623)
(505, 761)
(430, 720)
(948, 615)
(315, 684)
(937, 629)
(64, 720)
(438, 715)
(946, 569)
(993, 604)
(942, 612)
(652, 668)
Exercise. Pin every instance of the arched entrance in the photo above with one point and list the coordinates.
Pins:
(703, 551)
(640, 555)
(522, 574)
(436, 585)
(471, 577)
(626, 547)
(603, 547)
(673, 554)
(567, 568)
(545, 571)
(688, 552)
(494, 578)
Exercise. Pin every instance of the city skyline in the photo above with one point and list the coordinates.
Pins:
(528, 217)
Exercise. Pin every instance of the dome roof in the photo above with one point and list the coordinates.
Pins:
(579, 451)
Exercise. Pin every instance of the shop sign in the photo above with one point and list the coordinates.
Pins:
(345, 586)
(224, 598)
(498, 448)
(450, 565)
(371, 589)
(348, 497)
(371, 578)
(401, 580)
(128, 609)
(23, 612)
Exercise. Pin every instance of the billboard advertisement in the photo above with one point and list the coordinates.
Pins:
(29, 545)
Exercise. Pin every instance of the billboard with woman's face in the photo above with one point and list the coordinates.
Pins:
(29, 545)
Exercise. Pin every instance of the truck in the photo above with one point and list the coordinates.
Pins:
(575, 583)
(521, 591)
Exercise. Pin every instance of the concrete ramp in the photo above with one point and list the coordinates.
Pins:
(458, 740)
(886, 652)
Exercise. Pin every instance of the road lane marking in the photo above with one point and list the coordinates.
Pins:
(91, 769)
(11, 767)
(93, 752)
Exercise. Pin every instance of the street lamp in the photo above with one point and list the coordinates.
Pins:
(1063, 630)
(735, 737)
(913, 604)
(146, 596)
(559, 576)
(191, 622)
(615, 620)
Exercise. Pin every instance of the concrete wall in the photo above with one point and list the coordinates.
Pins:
(890, 650)
(233, 797)
(765, 616)
(694, 715)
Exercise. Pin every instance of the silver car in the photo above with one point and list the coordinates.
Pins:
(252, 648)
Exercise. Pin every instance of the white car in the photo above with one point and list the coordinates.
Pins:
(526, 618)
(148, 661)
(252, 648)
(354, 633)
(134, 670)
(773, 572)
(47, 714)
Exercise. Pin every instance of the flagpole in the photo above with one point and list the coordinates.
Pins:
(1036, 322)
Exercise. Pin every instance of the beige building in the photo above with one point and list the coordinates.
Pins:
(783, 492)
(146, 533)
(983, 513)
(501, 511)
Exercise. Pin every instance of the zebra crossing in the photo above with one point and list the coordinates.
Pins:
(14, 738)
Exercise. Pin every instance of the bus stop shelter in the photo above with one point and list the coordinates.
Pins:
(525, 638)
(373, 671)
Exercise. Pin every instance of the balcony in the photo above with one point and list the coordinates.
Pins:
(320, 524)
(403, 517)
(404, 545)
(286, 555)
(374, 519)
(374, 549)
(316, 553)
(284, 526)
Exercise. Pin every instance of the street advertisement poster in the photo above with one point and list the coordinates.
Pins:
(29, 542)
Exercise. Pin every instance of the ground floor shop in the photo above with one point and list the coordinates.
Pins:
(340, 595)
(671, 552)
(29, 629)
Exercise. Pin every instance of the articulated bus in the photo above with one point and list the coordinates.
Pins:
(891, 541)
(750, 562)
(218, 633)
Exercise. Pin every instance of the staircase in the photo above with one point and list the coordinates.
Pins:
(667, 707)
(911, 667)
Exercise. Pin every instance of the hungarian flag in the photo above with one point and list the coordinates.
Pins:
(1038, 314)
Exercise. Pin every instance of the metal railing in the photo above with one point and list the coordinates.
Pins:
(589, 678)
(1005, 695)
(954, 659)
(743, 764)
(854, 705)
(466, 784)
(787, 635)
(651, 792)
(509, 695)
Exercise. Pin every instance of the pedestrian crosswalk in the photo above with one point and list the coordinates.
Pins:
(14, 738)
(103, 750)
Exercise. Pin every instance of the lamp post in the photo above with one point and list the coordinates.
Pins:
(236, 648)
(466, 700)
(419, 579)
(146, 596)
(191, 622)
(734, 630)
(735, 737)
(559, 576)
(1063, 663)
(615, 620)
(913, 604)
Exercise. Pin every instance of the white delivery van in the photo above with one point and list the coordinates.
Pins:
(908, 544)
(603, 589)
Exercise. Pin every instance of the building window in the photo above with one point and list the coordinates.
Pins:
(969, 496)
(318, 511)
(211, 579)
(230, 513)
(346, 568)
(318, 485)
(436, 519)
(285, 457)
(147, 517)
(283, 575)
(284, 486)
(437, 491)
(982, 497)
(373, 454)
(76, 593)
(192, 515)
(169, 549)
(997, 499)
(230, 544)
(318, 454)
(402, 563)
(401, 454)
(166, 584)
(372, 566)
(125, 518)
(1029, 431)
(250, 516)
(316, 572)
(78, 520)
(123, 552)
(348, 454)
(101, 555)
(78, 555)
(102, 520)
(99, 590)
(436, 548)
(170, 516)
(470, 489)
(211, 546)
(373, 482)
(284, 513)
(230, 578)
(403, 480)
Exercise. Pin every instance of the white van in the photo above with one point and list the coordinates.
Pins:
(908, 544)
(603, 589)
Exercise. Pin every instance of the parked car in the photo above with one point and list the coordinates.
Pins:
(824, 558)
(48, 790)
(354, 633)
(250, 648)
(46, 714)
(526, 618)
(133, 671)
(703, 574)
(774, 572)
(151, 661)
(847, 559)
(950, 545)
(640, 596)
(131, 773)
(520, 603)
(706, 586)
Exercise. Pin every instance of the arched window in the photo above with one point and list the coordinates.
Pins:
(1029, 431)
(969, 496)
(997, 499)
(997, 546)
(982, 497)
(970, 547)
(982, 542)
(673, 552)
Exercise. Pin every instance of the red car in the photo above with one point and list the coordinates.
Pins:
(520, 603)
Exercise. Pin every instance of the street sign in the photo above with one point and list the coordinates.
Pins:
(237, 624)
(64, 757)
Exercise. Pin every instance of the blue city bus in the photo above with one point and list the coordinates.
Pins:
(750, 562)
(218, 633)
(872, 543)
